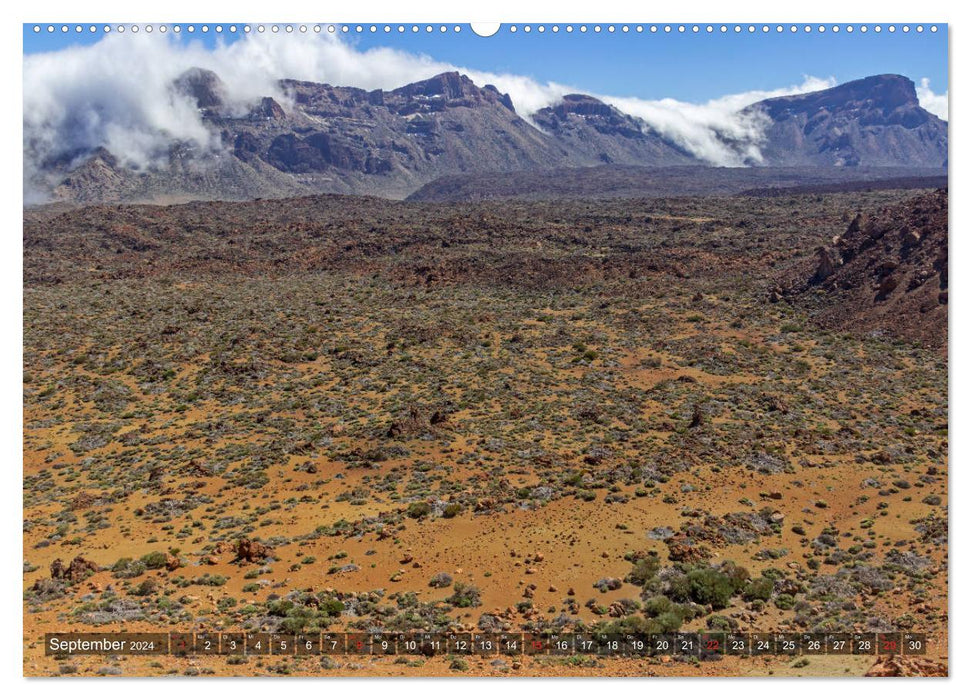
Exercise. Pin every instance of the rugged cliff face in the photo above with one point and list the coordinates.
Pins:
(887, 273)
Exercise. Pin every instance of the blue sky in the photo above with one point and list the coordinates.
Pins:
(690, 67)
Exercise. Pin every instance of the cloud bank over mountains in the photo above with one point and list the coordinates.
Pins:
(117, 94)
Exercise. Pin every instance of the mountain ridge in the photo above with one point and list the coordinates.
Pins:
(347, 140)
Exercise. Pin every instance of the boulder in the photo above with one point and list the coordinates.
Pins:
(250, 551)
(825, 265)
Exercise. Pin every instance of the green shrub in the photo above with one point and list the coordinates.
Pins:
(644, 570)
(128, 568)
(451, 510)
(465, 596)
(668, 622)
(154, 560)
(738, 575)
(759, 589)
(658, 605)
(440, 580)
(719, 623)
(625, 625)
(145, 588)
(418, 509)
(332, 607)
(679, 588)
(280, 607)
(293, 625)
(710, 587)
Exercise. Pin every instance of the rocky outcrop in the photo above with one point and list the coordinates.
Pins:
(75, 572)
(203, 86)
(251, 552)
(418, 421)
(887, 272)
(826, 265)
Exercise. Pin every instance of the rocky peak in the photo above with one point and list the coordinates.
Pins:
(451, 86)
(887, 91)
(583, 105)
(203, 86)
(875, 96)
(583, 112)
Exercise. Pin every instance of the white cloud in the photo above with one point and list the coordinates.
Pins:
(933, 103)
(717, 131)
(116, 94)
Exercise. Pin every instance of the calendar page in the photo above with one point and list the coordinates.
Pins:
(471, 350)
